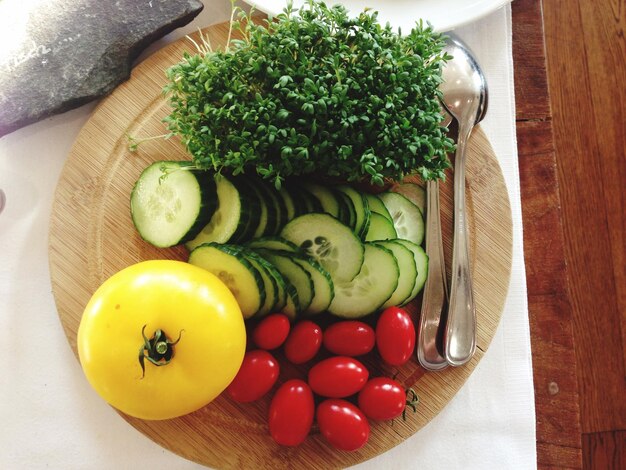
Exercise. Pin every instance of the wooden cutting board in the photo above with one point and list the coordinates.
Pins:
(92, 237)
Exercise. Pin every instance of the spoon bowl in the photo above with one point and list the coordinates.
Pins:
(464, 95)
(464, 87)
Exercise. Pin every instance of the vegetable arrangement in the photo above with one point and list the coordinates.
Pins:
(304, 249)
(314, 91)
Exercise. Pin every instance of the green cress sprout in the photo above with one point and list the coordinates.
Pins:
(314, 91)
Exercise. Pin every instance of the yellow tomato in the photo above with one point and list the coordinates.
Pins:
(161, 339)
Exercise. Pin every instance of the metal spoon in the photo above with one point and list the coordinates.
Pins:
(435, 295)
(464, 91)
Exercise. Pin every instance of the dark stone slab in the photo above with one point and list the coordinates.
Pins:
(70, 52)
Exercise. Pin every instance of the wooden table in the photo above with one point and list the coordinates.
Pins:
(556, 387)
(572, 136)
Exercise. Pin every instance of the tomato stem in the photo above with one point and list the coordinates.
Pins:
(159, 349)
(412, 400)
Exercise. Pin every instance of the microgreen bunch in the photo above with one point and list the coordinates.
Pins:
(314, 91)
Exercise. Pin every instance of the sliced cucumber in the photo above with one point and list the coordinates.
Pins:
(311, 202)
(373, 286)
(232, 267)
(230, 216)
(407, 269)
(304, 201)
(326, 196)
(251, 214)
(273, 243)
(380, 228)
(291, 308)
(407, 218)
(361, 209)
(267, 211)
(276, 209)
(421, 264)
(414, 193)
(329, 242)
(323, 284)
(269, 281)
(288, 205)
(171, 203)
(297, 198)
(287, 300)
(295, 274)
(347, 213)
(376, 205)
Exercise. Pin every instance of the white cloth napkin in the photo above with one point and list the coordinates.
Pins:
(50, 416)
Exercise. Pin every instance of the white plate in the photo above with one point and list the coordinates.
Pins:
(444, 15)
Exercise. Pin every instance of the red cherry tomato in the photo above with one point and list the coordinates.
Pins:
(349, 338)
(343, 425)
(291, 413)
(303, 342)
(382, 399)
(338, 377)
(257, 375)
(395, 336)
(271, 332)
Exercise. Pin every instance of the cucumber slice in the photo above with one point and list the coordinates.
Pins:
(287, 300)
(408, 272)
(295, 274)
(421, 264)
(269, 281)
(311, 202)
(361, 209)
(380, 228)
(232, 267)
(252, 213)
(288, 204)
(267, 211)
(407, 218)
(347, 213)
(230, 216)
(414, 193)
(304, 202)
(275, 207)
(297, 198)
(171, 203)
(329, 242)
(273, 243)
(373, 286)
(376, 205)
(323, 285)
(291, 308)
(326, 197)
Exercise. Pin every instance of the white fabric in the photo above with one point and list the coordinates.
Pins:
(52, 419)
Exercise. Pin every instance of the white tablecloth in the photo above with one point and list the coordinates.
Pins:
(50, 416)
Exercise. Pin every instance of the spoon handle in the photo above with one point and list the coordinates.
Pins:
(435, 296)
(460, 334)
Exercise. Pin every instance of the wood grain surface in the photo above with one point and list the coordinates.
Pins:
(604, 450)
(92, 236)
(556, 387)
(572, 119)
(587, 72)
(592, 142)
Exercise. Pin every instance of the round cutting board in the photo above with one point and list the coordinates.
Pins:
(92, 237)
